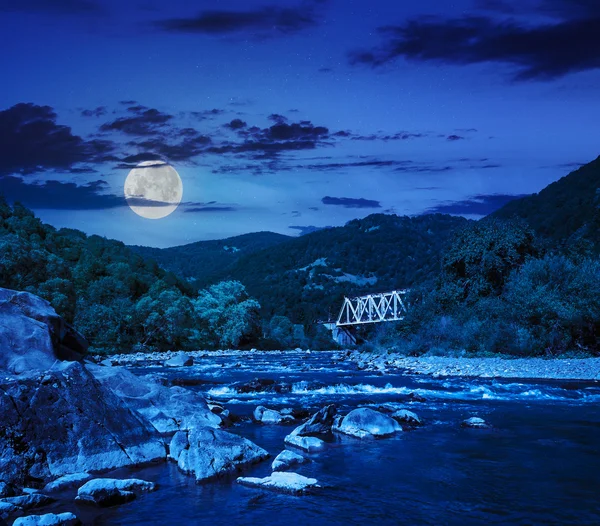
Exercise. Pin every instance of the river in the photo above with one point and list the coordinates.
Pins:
(538, 463)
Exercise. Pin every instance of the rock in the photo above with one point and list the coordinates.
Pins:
(309, 444)
(111, 492)
(261, 385)
(66, 482)
(168, 409)
(287, 459)
(29, 501)
(107, 363)
(365, 422)
(416, 397)
(49, 519)
(180, 360)
(291, 483)
(64, 422)
(318, 424)
(179, 442)
(404, 415)
(7, 509)
(210, 453)
(475, 422)
(270, 416)
(32, 336)
(6, 490)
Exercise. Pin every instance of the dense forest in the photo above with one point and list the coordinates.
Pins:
(117, 299)
(306, 278)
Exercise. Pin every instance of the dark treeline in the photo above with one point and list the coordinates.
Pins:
(503, 290)
(118, 300)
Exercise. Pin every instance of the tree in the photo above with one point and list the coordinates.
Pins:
(228, 315)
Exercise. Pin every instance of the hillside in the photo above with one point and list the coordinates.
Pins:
(305, 278)
(203, 259)
(564, 209)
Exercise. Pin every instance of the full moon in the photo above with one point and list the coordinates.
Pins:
(153, 189)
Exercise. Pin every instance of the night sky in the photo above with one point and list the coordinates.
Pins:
(290, 115)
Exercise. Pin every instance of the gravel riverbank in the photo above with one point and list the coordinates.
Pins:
(531, 368)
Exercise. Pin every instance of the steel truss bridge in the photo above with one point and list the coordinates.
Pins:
(373, 308)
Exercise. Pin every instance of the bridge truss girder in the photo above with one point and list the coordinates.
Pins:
(373, 308)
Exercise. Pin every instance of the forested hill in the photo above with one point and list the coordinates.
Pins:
(565, 210)
(305, 278)
(207, 258)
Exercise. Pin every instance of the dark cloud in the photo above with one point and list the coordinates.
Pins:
(32, 141)
(454, 138)
(96, 112)
(58, 195)
(350, 202)
(276, 117)
(324, 70)
(540, 52)
(145, 121)
(481, 205)
(236, 124)
(263, 22)
(183, 150)
(58, 7)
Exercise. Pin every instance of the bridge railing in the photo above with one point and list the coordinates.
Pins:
(373, 308)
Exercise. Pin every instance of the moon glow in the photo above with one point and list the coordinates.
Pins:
(153, 189)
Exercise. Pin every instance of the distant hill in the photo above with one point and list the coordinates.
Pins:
(564, 210)
(203, 259)
(305, 278)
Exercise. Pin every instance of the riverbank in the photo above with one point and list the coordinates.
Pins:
(515, 368)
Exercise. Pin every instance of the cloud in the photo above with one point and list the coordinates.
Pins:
(452, 138)
(349, 202)
(536, 52)
(32, 141)
(236, 124)
(96, 112)
(481, 205)
(267, 21)
(145, 121)
(58, 195)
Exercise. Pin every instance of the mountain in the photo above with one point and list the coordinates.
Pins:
(306, 278)
(203, 259)
(565, 209)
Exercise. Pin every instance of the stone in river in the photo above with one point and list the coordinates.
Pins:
(283, 482)
(180, 360)
(475, 422)
(406, 416)
(365, 422)
(208, 453)
(286, 459)
(111, 492)
(270, 416)
(309, 444)
(49, 519)
(66, 482)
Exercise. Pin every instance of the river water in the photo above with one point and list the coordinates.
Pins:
(538, 463)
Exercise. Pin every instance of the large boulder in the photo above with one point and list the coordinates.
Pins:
(32, 336)
(62, 422)
(365, 422)
(208, 453)
(111, 492)
(290, 483)
(168, 409)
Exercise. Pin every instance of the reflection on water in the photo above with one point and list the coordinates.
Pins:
(538, 464)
